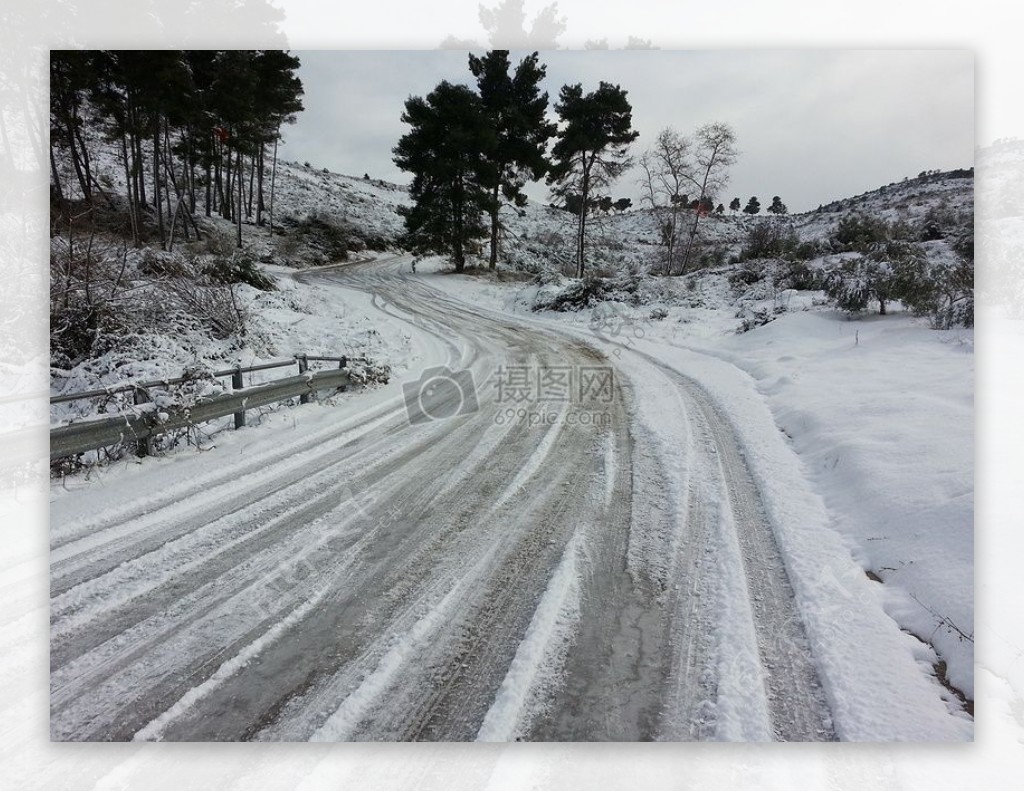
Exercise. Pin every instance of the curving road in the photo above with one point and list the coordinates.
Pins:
(563, 573)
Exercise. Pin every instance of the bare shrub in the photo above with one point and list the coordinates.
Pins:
(90, 293)
(213, 304)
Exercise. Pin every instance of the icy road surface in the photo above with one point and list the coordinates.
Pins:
(611, 577)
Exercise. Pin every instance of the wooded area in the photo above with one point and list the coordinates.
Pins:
(191, 126)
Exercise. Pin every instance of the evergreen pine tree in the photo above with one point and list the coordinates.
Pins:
(514, 109)
(591, 150)
(444, 150)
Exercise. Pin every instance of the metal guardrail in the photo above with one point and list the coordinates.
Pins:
(301, 360)
(141, 429)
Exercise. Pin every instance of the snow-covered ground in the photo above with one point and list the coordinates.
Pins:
(774, 602)
(879, 410)
(773, 539)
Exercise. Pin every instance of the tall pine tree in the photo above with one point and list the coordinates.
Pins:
(514, 108)
(444, 150)
(591, 150)
(778, 207)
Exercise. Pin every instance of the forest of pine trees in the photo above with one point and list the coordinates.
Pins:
(197, 130)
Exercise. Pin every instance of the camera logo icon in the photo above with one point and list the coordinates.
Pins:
(440, 393)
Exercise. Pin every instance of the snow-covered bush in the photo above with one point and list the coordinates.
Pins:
(942, 288)
(159, 264)
(329, 236)
(769, 240)
(856, 282)
(748, 272)
(936, 282)
(240, 267)
(90, 299)
(708, 255)
(942, 221)
(863, 233)
(798, 274)
(756, 317)
(575, 295)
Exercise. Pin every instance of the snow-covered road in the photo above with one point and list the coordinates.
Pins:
(609, 564)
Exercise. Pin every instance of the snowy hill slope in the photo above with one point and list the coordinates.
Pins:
(165, 316)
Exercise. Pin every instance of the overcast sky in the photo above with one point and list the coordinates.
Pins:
(811, 125)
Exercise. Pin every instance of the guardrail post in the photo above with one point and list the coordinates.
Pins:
(343, 363)
(303, 368)
(143, 447)
(236, 383)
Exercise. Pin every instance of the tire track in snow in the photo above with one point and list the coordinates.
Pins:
(784, 673)
(496, 601)
(540, 655)
(197, 609)
(520, 443)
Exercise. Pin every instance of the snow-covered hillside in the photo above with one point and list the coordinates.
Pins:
(875, 413)
(163, 317)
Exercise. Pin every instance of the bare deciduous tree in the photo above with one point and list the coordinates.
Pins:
(714, 150)
(673, 168)
(666, 166)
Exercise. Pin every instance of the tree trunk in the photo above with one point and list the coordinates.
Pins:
(174, 222)
(458, 251)
(238, 178)
(180, 195)
(157, 194)
(582, 224)
(209, 189)
(133, 209)
(83, 181)
(56, 182)
(273, 177)
(677, 222)
(85, 163)
(226, 199)
(252, 179)
(259, 186)
(137, 161)
(493, 263)
(191, 172)
(128, 149)
(218, 179)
